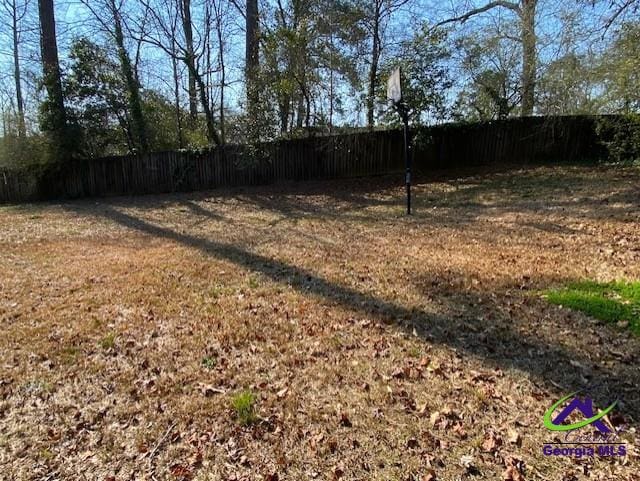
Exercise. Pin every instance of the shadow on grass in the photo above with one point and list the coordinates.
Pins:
(576, 192)
(552, 365)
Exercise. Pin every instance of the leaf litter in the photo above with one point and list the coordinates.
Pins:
(378, 346)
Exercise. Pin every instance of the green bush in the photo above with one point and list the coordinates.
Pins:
(621, 136)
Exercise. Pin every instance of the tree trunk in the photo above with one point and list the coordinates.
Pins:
(190, 54)
(528, 13)
(4, 122)
(300, 111)
(252, 55)
(16, 71)
(331, 88)
(55, 121)
(284, 112)
(207, 54)
(212, 134)
(223, 73)
(138, 123)
(373, 70)
(176, 93)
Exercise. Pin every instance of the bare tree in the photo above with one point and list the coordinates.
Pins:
(526, 12)
(377, 14)
(16, 11)
(220, 13)
(56, 119)
(176, 83)
(252, 54)
(113, 26)
(187, 26)
(4, 100)
(163, 16)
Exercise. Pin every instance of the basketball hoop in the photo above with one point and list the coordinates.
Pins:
(394, 96)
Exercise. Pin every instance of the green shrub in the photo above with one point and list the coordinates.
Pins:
(621, 136)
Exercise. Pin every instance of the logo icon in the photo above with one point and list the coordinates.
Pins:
(585, 406)
(604, 440)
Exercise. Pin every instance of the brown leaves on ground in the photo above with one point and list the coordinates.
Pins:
(377, 346)
(514, 471)
(491, 443)
(430, 475)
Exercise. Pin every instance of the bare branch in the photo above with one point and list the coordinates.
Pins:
(619, 11)
(498, 3)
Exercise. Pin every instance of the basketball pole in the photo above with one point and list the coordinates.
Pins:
(394, 95)
(407, 159)
(403, 111)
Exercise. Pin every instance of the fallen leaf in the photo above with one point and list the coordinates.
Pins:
(209, 390)
(459, 430)
(514, 437)
(433, 419)
(514, 469)
(344, 420)
(430, 475)
(467, 462)
(512, 474)
(491, 442)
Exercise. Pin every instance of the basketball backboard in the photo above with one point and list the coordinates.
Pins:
(394, 87)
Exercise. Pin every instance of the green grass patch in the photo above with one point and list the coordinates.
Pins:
(108, 342)
(208, 362)
(69, 355)
(244, 406)
(610, 302)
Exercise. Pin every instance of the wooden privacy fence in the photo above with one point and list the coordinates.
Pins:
(513, 141)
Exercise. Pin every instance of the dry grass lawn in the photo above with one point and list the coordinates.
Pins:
(377, 347)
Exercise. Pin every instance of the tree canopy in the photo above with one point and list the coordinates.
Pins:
(95, 78)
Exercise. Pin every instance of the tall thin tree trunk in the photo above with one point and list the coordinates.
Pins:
(4, 122)
(528, 13)
(223, 74)
(176, 93)
(300, 111)
(56, 118)
(331, 88)
(252, 55)
(138, 123)
(212, 134)
(16, 71)
(207, 54)
(284, 112)
(373, 70)
(191, 58)
(307, 122)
